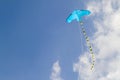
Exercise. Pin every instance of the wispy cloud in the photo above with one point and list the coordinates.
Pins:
(106, 43)
(56, 72)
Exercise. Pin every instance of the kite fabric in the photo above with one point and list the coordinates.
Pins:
(78, 14)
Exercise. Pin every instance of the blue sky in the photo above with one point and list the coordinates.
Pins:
(34, 34)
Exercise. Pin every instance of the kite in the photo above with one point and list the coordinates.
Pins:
(77, 15)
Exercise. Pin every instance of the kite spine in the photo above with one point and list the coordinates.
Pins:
(89, 46)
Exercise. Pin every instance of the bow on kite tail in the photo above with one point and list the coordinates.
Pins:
(89, 45)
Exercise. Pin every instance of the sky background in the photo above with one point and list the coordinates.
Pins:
(34, 34)
(36, 43)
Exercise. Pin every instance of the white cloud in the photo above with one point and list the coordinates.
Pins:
(106, 43)
(56, 72)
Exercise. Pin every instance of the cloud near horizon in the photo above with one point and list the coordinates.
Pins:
(56, 72)
(106, 41)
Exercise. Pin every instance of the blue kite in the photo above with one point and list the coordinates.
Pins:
(77, 14)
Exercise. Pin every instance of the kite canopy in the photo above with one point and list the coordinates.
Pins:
(77, 14)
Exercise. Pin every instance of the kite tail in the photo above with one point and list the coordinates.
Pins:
(89, 46)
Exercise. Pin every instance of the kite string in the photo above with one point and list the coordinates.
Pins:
(81, 46)
(81, 39)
